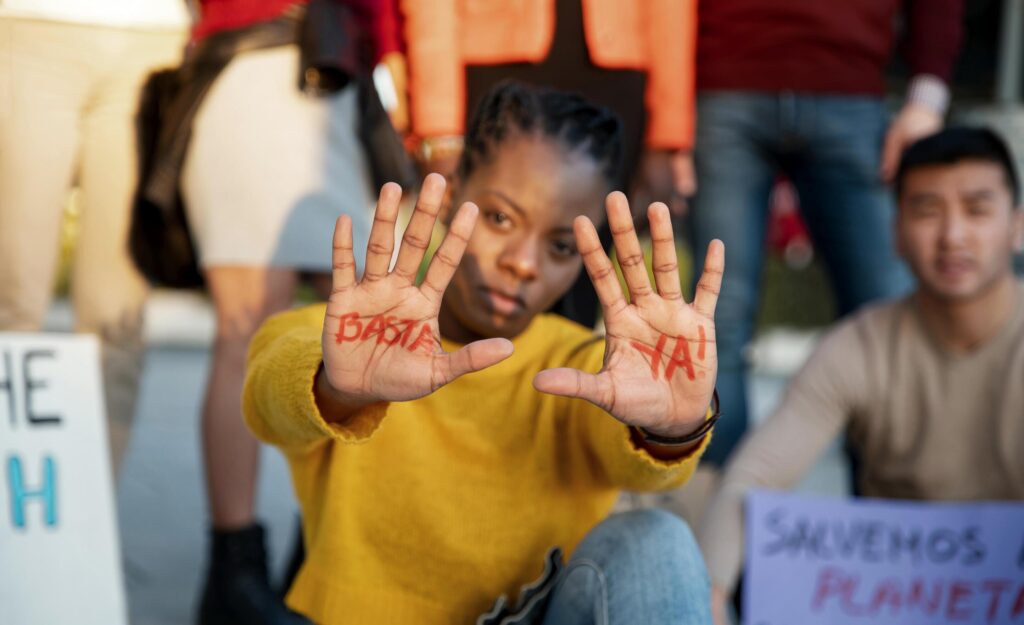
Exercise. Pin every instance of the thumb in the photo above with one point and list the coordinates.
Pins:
(573, 383)
(476, 356)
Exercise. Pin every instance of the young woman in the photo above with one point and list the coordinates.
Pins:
(427, 495)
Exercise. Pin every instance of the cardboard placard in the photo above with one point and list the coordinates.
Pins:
(860, 561)
(59, 554)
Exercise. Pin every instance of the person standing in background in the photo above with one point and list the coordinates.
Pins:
(268, 170)
(636, 58)
(796, 87)
(70, 79)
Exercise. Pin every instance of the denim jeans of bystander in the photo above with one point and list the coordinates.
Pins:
(829, 146)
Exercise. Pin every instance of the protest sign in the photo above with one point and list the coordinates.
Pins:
(59, 556)
(854, 562)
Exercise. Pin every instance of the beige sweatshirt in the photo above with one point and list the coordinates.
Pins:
(922, 422)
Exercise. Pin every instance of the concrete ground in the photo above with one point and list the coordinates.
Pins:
(160, 495)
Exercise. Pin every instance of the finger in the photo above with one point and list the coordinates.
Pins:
(569, 382)
(890, 155)
(627, 247)
(382, 235)
(665, 263)
(472, 357)
(343, 261)
(449, 254)
(598, 266)
(710, 284)
(684, 176)
(421, 226)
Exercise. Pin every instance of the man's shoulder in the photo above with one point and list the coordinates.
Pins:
(874, 317)
(867, 330)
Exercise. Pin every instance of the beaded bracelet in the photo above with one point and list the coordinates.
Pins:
(699, 433)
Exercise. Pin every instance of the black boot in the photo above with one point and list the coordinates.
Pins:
(237, 590)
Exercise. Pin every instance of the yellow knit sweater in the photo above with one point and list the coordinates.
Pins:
(426, 511)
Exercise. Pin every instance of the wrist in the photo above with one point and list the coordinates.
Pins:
(685, 434)
(663, 452)
(670, 432)
(335, 406)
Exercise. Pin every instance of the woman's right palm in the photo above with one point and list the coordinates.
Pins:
(381, 340)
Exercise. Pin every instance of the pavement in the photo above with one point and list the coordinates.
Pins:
(161, 509)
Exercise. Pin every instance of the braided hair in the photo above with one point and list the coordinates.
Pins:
(512, 107)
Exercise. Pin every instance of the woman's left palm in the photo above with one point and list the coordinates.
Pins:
(660, 359)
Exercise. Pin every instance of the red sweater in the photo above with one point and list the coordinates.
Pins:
(379, 17)
(821, 46)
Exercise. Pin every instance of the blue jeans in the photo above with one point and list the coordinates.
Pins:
(640, 567)
(830, 148)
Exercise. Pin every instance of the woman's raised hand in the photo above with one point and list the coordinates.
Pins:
(380, 338)
(660, 360)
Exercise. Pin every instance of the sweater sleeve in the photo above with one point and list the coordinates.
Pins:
(934, 33)
(813, 412)
(610, 446)
(437, 85)
(671, 73)
(278, 401)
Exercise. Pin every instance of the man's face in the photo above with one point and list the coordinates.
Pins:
(957, 227)
(522, 255)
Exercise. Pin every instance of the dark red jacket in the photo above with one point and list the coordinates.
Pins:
(379, 18)
(821, 46)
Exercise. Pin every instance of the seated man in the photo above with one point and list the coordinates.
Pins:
(928, 389)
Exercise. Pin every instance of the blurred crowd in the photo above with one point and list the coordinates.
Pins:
(235, 132)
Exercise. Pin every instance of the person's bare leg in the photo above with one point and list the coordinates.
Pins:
(237, 588)
(243, 298)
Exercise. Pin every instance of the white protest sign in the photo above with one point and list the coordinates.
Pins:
(878, 562)
(59, 555)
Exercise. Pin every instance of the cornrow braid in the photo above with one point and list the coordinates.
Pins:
(512, 107)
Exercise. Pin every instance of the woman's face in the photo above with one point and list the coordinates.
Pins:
(522, 255)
